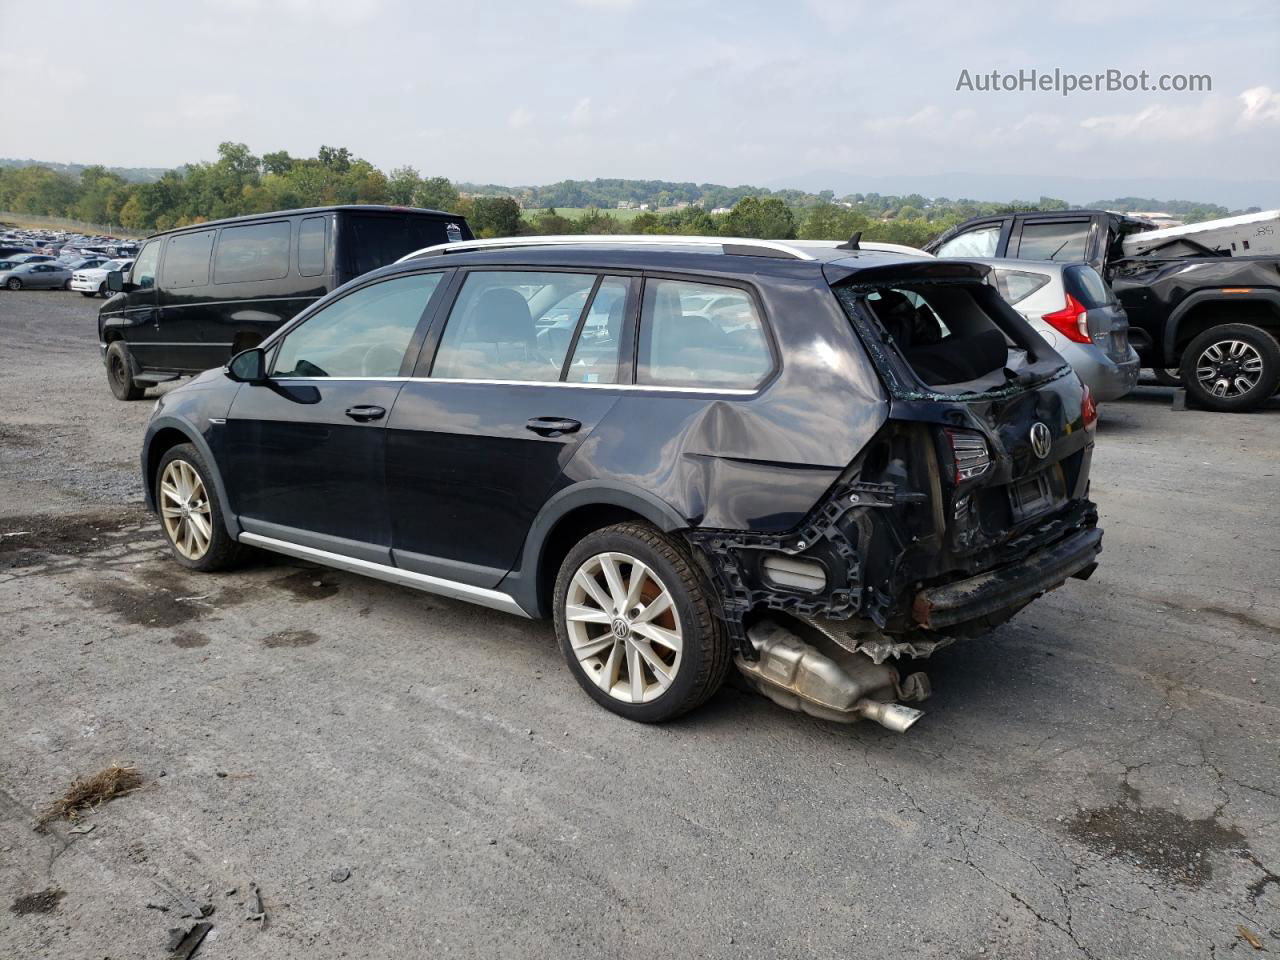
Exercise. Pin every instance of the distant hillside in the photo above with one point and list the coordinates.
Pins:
(132, 174)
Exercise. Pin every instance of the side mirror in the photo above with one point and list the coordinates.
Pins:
(249, 366)
(115, 281)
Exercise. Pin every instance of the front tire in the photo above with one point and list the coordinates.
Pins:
(120, 373)
(190, 514)
(635, 623)
(87, 293)
(1232, 367)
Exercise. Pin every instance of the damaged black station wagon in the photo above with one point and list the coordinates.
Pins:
(809, 459)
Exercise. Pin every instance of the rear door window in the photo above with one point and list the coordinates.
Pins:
(512, 325)
(701, 335)
(1054, 240)
(978, 242)
(1015, 285)
(258, 251)
(598, 351)
(186, 260)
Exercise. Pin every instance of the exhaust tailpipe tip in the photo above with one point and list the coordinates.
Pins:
(890, 715)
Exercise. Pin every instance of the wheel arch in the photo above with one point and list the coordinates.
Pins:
(568, 517)
(1209, 308)
(165, 433)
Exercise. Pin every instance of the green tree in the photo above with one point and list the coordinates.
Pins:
(495, 217)
(436, 193)
(402, 184)
(767, 218)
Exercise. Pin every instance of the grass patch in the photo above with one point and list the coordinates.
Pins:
(114, 781)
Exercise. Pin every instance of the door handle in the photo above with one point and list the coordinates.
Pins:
(552, 426)
(365, 413)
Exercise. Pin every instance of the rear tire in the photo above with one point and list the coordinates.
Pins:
(1232, 367)
(14, 283)
(190, 515)
(120, 373)
(66, 285)
(643, 665)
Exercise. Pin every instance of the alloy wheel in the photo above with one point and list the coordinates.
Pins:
(623, 627)
(1229, 368)
(185, 510)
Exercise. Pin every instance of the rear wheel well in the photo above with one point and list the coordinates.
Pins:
(164, 441)
(1213, 313)
(569, 529)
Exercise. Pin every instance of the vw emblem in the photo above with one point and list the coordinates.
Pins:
(620, 629)
(1041, 441)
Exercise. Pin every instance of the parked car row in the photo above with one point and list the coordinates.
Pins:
(63, 244)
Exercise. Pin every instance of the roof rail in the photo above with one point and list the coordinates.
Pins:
(740, 246)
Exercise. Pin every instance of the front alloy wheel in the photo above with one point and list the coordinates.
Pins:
(623, 627)
(187, 502)
(185, 510)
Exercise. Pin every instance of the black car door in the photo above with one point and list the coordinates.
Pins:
(304, 451)
(523, 370)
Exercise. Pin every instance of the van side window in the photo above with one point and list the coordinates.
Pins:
(365, 334)
(186, 260)
(313, 242)
(258, 251)
(144, 268)
(700, 335)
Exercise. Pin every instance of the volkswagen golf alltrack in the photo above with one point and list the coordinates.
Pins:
(806, 458)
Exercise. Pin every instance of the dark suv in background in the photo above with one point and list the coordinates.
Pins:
(1197, 316)
(681, 449)
(197, 295)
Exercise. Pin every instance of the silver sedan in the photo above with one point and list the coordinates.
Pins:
(36, 275)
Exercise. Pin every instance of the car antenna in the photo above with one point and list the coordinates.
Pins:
(851, 243)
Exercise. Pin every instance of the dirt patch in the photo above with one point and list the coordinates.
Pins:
(188, 639)
(25, 541)
(1167, 844)
(13, 437)
(291, 638)
(107, 784)
(308, 585)
(163, 595)
(46, 901)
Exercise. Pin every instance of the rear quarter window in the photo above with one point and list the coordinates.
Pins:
(1015, 285)
(701, 335)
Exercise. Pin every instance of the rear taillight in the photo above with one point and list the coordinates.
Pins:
(969, 453)
(1089, 410)
(1072, 321)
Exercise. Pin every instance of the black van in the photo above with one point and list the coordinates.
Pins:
(200, 294)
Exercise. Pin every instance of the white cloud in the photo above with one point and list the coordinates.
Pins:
(1261, 107)
(519, 118)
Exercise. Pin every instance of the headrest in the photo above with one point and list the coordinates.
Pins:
(502, 316)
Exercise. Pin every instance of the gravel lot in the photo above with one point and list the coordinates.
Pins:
(1099, 779)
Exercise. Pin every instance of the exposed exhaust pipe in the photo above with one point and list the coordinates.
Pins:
(824, 680)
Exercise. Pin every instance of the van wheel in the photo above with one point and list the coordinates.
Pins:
(120, 373)
(1231, 368)
(190, 514)
(635, 624)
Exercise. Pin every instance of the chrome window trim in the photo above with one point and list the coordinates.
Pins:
(718, 391)
(493, 599)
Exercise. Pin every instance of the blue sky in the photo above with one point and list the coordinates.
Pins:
(733, 93)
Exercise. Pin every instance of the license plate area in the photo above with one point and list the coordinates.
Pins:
(1036, 494)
